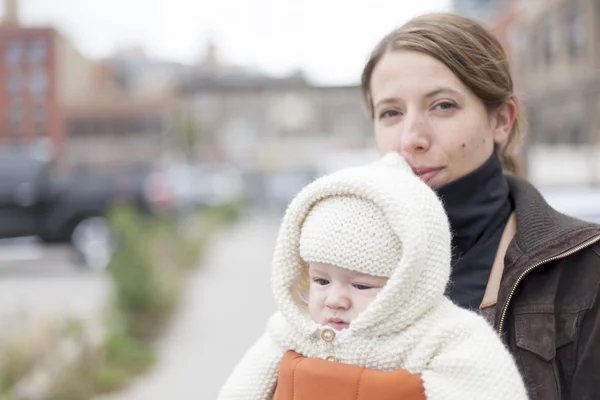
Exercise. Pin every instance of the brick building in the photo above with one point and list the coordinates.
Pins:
(29, 100)
(41, 76)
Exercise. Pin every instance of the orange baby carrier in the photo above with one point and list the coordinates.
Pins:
(303, 378)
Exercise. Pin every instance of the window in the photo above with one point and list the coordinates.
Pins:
(548, 137)
(535, 52)
(479, 9)
(38, 82)
(39, 112)
(15, 130)
(545, 37)
(38, 51)
(14, 83)
(40, 130)
(550, 42)
(519, 40)
(15, 112)
(13, 53)
(576, 29)
(523, 45)
(577, 135)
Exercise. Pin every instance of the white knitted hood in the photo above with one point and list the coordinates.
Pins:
(416, 216)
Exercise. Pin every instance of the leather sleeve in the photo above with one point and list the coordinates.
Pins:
(586, 378)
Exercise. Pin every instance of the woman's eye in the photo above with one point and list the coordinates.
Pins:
(388, 114)
(362, 287)
(321, 281)
(445, 105)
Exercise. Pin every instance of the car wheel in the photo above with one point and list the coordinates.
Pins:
(92, 241)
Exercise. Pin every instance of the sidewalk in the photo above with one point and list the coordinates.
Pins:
(223, 311)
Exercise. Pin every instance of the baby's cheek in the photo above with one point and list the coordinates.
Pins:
(313, 310)
(315, 302)
(371, 295)
(363, 301)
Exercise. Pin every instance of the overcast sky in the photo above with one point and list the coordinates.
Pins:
(329, 39)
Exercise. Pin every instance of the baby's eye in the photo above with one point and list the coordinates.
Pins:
(362, 287)
(321, 281)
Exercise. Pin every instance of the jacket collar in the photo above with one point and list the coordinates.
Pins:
(542, 233)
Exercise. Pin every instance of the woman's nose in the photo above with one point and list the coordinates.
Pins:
(415, 136)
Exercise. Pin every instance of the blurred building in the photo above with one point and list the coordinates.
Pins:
(94, 113)
(118, 126)
(130, 110)
(126, 127)
(124, 136)
(501, 18)
(264, 123)
(482, 10)
(497, 15)
(145, 77)
(554, 52)
(558, 61)
(34, 61)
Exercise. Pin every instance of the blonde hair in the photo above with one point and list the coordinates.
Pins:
(472, 53)
(302, 284)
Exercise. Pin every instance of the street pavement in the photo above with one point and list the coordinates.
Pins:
(224, 310)
(42, 281)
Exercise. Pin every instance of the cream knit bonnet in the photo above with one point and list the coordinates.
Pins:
(415, 255)
(352, 233)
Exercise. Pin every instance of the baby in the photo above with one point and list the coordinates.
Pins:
(359, 271)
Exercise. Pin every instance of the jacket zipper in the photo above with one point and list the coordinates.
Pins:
(528, 270)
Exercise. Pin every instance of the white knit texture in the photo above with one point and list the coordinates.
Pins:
(352, 233)
(255, 376)
(410, 324)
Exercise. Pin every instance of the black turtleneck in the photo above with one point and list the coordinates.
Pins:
(478, 207)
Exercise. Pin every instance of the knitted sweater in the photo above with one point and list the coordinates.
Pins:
(409, 325)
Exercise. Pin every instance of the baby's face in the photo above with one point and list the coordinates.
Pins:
(337, 295)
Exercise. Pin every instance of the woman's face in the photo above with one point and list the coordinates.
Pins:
(425, 113)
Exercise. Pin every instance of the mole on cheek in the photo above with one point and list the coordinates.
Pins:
(464, 145)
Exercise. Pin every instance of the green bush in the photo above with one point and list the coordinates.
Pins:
(15, 362)
(124, 358)
(144, 293)
(225, 213)
(76, 381)
(148, 268)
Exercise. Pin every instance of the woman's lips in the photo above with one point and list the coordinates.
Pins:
(338, 325)
(426, 174)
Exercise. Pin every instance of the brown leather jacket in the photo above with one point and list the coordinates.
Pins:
(548, 311)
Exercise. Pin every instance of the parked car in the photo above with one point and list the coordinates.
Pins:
(35, 202)
(215, 185)
(282, 186)
(188, 186)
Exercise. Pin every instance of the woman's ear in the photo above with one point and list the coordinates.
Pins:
(503, 121)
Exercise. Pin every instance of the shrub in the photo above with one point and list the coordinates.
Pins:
(148, 268)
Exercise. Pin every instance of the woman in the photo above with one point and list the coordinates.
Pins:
(440, 93)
